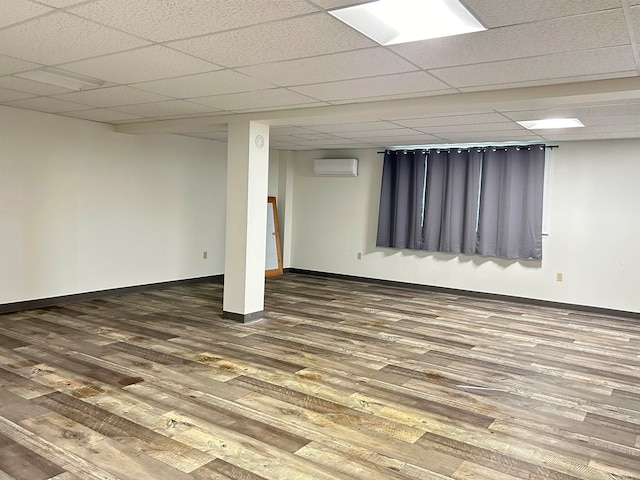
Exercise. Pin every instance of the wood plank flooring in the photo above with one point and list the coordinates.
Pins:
(345, 380)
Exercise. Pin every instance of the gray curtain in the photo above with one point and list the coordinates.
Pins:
(510, 220)
(451, 201)
(400, 214)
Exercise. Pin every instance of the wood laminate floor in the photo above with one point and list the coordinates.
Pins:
(345, 380)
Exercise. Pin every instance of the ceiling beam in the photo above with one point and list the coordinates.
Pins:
(526, 98)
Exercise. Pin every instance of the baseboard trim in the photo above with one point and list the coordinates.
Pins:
(243, 317)
(52, 301)
(471, 293)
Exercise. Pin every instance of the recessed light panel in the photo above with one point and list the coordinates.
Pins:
(550, 123)
(61, 78)
(390, 22)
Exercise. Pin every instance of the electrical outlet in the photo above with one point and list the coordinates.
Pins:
(204, 255)
(559, 277)
(359, 255)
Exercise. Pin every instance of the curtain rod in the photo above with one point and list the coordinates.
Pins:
(550, 147)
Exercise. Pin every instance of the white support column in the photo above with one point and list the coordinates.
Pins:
(246, 223)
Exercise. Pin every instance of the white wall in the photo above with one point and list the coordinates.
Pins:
(593, 241)
(285, 203)
(274, 176)
(83, 208)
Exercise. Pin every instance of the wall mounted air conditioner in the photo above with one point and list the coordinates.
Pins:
(335, 167)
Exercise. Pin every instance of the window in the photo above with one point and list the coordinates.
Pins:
(485, 201)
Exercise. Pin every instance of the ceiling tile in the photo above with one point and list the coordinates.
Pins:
(14, 11)
(8, 95)
(341, 128)
(373, 86)
(596, 129)
(112, 96)
(290, 139)
(316, 34)
(165, 109)
(61, 3)
(277, 97)
(327, 68)
(338, 148)
(387, 132)
(162, 20)
(634, 14)
(549, 67)
(496, 136)
(621, 120)
(593, 135)
(398, 96)
(141, 65)
(493, 13)
(450, 120)
(475, 127)
(60, 38)
(13, 65)
(550, 81)
(398, 140)
(318, 136)
(600, 111)
(329, 4)
(30, 86)
(288, 130)
(205, 84)
(102, 115)
(581, 32)
(340, 142)
(209, 113)
(315, 103)
(45, 104)
(589, 133)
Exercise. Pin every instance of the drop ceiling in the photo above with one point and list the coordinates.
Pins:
(188, 67)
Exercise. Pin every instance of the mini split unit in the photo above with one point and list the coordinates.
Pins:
(335, 167)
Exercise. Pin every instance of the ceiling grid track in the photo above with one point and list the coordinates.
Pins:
(188, 67)
(632, 35)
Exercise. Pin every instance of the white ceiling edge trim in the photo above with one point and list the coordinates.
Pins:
(525, 98)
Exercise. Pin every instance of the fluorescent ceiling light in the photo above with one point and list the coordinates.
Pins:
(60, 78)
(549, 123)
(389, 22)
